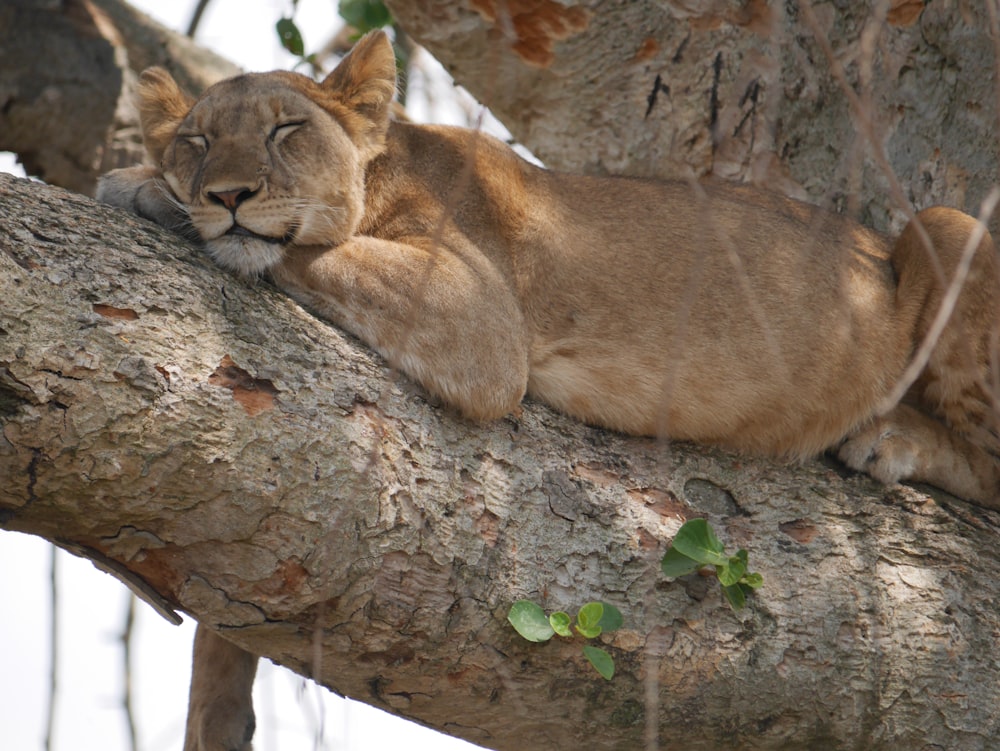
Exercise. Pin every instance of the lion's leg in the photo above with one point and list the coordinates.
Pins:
(446, 318)
(143, 191)
(907, 444)
(945, 433)
(957, 384)
(220, 706)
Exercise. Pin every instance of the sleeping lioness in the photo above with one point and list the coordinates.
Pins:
(703, 312)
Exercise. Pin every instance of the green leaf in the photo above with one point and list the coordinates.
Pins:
(365, 15)
(530, 621)
(675, 564)
(612, 619)
(733, 571)
(588, 620)
(736, 596)
(697, 541)
(290, 36)
(754, 581)
(601, 661)
(560, 623)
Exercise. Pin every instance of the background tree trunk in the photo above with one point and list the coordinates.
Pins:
(859, 106)
(255, 468)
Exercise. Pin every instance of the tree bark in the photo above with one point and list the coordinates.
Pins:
(250, 465)
(67, 80)
(863, 107)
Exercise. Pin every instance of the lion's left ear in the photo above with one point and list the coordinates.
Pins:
(162, 107)
(361, 88)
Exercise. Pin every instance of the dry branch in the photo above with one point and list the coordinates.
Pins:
(266, 474)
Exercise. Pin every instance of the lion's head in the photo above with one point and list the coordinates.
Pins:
(267, 161)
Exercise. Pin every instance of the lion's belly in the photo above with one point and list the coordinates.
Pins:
(785, 395)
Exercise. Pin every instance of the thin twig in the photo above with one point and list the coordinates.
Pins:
(196, 17)
(317, 666)
(53, 648)
(126, 638)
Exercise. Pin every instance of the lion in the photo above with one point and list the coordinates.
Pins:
(694, 311)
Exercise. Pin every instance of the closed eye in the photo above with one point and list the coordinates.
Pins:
(281, 130)
(195, 139)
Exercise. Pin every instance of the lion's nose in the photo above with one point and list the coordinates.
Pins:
(231, 199)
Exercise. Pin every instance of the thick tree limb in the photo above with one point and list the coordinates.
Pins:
(269, 476)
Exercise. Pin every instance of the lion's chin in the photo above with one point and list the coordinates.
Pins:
(249, 256)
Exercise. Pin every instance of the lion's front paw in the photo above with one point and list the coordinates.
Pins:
(881, 451)
(143, 191)
(121, 186)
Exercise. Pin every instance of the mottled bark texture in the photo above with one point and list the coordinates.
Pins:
(271, 477)
(68, 70)
(812, 98)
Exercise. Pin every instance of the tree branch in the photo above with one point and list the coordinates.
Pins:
(271, 477)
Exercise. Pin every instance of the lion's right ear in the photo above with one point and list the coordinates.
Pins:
(162, 106)
(359, 91)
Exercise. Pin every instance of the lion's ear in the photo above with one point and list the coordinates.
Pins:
(361, 88)
(162, 106)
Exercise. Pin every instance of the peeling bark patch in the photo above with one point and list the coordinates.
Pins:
(160, 569)
(662, 502)
(905, 12)
(799, 530)
(537, 24)
(255, 395)
(755, 15)
(292, 575)
(109, 311)
(647, 50)
(646, 540)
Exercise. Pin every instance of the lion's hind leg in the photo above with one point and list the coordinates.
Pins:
(907, 444)
(945, 431)
(220, 706)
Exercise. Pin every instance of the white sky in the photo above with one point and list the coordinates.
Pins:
(93, 605)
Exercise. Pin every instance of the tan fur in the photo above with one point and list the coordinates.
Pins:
(705, 312)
